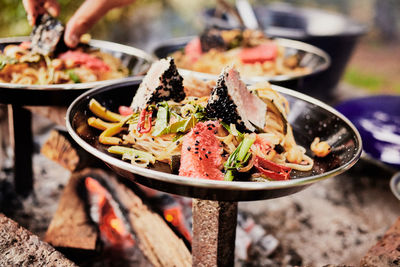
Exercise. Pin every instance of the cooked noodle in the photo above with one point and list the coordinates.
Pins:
(213, 59)
(21, 66)
(277, 132)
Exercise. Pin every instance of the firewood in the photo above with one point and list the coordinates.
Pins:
(62, 149)
(156, 239)
(54, 114)
(19, 247)
(387, 251)
(71, 226)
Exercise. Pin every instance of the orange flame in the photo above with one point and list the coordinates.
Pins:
(174, 215)
(112, 228)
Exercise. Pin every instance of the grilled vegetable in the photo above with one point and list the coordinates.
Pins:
(238, 158)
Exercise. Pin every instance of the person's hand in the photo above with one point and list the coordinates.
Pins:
(36, 7)
(84, 18)
(87, 15)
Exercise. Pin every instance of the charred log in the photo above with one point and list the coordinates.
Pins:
(19, 247)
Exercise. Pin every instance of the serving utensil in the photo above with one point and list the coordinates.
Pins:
(247, 15)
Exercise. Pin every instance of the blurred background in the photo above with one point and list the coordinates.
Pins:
(147, 22)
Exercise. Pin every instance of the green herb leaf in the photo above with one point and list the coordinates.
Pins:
(230, 130)
(163, 115)
(238, 158)
(183, 125)
(74, 77)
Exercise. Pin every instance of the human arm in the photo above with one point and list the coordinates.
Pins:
(83, 19)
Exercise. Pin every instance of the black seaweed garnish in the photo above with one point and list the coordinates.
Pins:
(47, 35)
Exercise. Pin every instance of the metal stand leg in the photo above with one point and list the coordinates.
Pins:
(21, 128)
(214, 232)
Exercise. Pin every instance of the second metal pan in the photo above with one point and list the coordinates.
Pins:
(136, 60)
(310, 56)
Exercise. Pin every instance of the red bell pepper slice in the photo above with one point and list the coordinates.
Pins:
(142, 121)
(271, 169)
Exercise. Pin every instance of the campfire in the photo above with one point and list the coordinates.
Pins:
(97, 203)
(100, 219)
(112, 225)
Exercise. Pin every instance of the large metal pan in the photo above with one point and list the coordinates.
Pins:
(310, 56)
(309, 118)
(334, 33)
(136, 60)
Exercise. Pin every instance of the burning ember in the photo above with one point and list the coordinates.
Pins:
(176, 210)
(174, 215)
(105, 212)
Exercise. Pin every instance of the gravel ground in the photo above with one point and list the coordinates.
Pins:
(335, 221)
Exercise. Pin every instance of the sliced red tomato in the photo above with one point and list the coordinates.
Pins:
(263, 52)
(81, 58)
(193, 49)
(271, 169)
(125, 111)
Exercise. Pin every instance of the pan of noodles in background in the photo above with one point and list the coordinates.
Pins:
(334, 33)
(308, 117)
(310, 63)
(133, 64)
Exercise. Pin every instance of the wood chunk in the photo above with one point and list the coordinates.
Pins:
(387, 251)
(19, 247)
(71, 227)
(156, 239)
(54, 114)
(63, 150)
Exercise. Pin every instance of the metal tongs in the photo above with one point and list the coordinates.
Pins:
(247, 15)
(243, 13)
(47, 35)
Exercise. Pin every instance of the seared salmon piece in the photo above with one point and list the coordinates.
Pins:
(201, 155)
